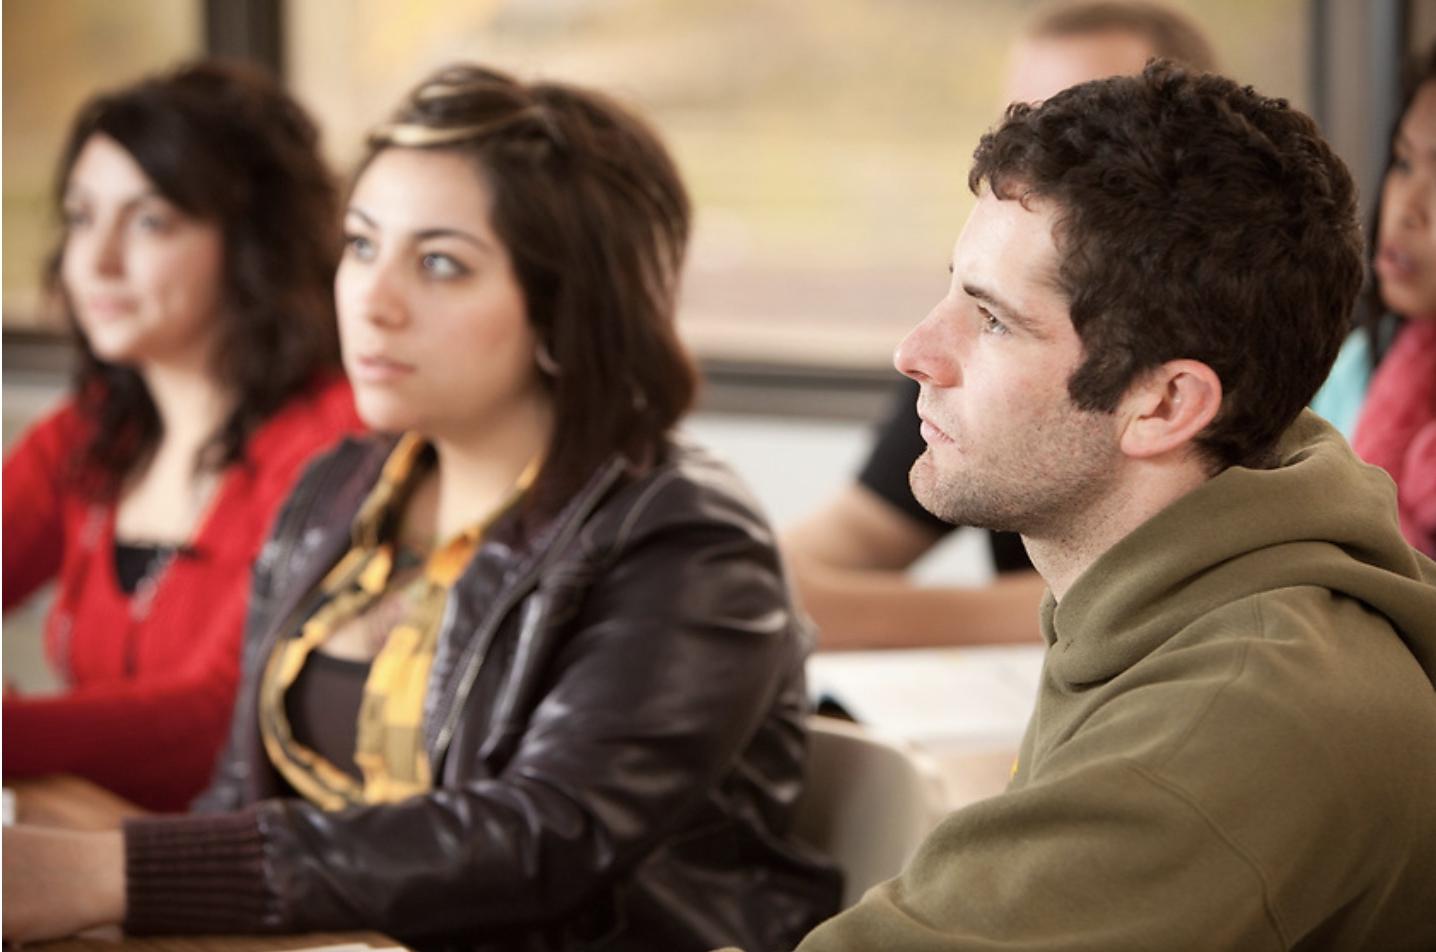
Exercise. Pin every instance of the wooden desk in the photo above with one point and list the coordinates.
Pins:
(971, 776)
(114, 941)
(966, 708)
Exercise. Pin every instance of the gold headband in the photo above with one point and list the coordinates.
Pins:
(418, 135)
(442, 89)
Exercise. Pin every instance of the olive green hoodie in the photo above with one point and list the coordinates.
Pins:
(1234, 746)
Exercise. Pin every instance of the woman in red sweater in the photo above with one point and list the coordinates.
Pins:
(195, 265)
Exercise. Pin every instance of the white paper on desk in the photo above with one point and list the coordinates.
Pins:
(940, 698)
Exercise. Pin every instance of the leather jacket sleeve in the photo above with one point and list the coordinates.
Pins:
(678, 638)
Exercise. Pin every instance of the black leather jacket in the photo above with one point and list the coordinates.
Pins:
(615, 720)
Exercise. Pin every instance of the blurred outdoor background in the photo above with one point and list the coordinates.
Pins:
(825, 141)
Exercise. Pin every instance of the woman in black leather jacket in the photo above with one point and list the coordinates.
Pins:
(524, 674)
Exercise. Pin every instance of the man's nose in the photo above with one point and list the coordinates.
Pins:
(929, 352)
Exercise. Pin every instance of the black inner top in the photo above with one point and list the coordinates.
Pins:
(322, 706)
(136, 560)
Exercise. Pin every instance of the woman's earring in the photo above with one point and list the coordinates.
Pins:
(545, 360)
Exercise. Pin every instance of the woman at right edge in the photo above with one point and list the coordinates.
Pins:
(524, 675)
(1382, 390)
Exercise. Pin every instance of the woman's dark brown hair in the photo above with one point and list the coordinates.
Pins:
(224, 144)
(595, 219)
(1377, 320)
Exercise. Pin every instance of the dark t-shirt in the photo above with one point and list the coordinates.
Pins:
(898, 444)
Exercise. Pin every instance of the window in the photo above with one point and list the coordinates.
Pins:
(826, 142)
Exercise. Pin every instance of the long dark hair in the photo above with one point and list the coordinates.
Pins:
(224, 144)
(1377, 321)
(595, 219)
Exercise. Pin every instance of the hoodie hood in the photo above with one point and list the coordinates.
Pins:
(1321, 518)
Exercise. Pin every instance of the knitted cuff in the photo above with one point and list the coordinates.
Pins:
(195, 874)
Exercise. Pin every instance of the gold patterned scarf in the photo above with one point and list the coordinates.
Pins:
(389, 748)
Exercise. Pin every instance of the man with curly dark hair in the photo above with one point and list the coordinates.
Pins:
(850, 556)
(1234, 744)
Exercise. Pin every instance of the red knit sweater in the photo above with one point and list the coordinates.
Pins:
(148, 699)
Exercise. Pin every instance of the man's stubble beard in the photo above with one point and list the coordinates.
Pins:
(1070, 465)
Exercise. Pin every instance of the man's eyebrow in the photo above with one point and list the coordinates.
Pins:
(1002, 309)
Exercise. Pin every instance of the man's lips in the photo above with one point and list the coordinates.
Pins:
(932, 433)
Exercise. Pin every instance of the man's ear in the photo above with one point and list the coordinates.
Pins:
(1168, 406)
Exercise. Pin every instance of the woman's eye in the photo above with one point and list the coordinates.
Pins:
(359, 246)
(152, 222)
(75, 217)
(441, 265)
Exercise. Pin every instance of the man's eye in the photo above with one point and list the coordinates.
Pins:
(990, 323)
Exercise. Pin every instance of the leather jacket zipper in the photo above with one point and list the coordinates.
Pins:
(515, 594)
